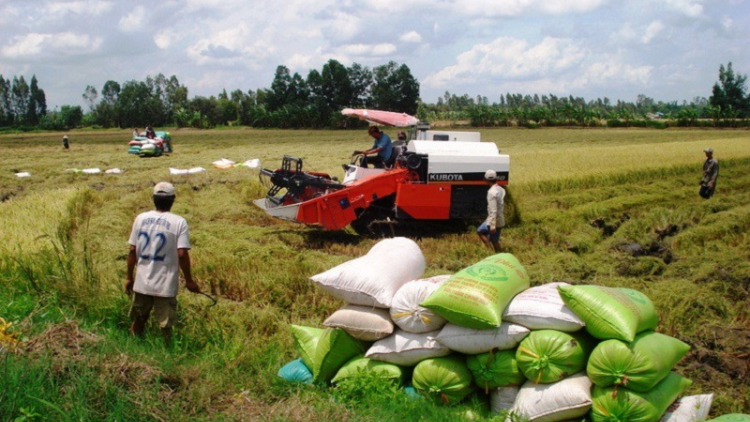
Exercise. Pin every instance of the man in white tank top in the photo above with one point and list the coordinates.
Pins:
(159, 245)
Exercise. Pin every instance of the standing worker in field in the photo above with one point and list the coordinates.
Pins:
(383, 148)
(159, 245)
(66, 144)
(489, 230)
(710, 174)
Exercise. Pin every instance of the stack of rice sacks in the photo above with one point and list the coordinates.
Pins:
(549, 353)
(141, 145)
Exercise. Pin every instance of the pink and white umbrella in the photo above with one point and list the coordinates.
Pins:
(387, 118)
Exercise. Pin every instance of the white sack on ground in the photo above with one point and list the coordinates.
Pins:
(113, 171)
(223, 164)
(566, 399)
(407, 349)
(540, 308)
(362, 322)
(472, 341)
(23, 174)
(91, 171)
(689, 409)
(373, 279)
(405, 309)
(503, 398)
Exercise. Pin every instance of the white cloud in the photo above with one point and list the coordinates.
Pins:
(691, 8)
(88, 7)
(383, 49)
(652, 30)
(411, 37)
(133, 21)
(509, 58)
(490, 8)
(35, 44)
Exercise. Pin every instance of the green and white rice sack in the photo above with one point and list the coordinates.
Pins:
(612, 404)
(476, 296)
(639, 365)
(444, 380)
(611, 312)
(547, 356)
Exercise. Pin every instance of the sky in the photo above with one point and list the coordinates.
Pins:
(669, 50)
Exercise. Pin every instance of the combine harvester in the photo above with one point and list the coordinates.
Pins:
(437, 175)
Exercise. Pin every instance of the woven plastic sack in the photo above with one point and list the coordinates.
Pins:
(639, 365)
(306, 339)
(362, 322)
(689, 409)
(360, 364)
(373, 279)
(548, 356)
(503, 398)
(611, 312)
(495, 369)
(406, 311)
(335, 348)
(444, 380)
(567, 399)
(628, 405)
(296, 371)
(731, 417)
(407, 349)
(542, 308)
(472, 341)
(476, 296)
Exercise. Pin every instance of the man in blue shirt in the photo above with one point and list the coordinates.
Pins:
(382, 147)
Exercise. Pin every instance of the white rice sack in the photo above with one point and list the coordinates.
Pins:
(542, 308)
(405, 309)
(472, 341)
(373, 279)
(689, 409)
(173, 170)
(407, 349)
(92, 171)
(23, 174)
(503, 398)
(223, 164)
(566, 399)
(194, 170)
(113, 171)
(362, 322)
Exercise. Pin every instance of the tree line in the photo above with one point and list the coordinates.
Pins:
(315, 101)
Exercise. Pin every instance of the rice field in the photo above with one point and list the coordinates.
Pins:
(613, 207)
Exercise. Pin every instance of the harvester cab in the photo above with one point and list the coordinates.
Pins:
(437, 175)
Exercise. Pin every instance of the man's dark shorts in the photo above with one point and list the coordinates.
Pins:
(484, 229)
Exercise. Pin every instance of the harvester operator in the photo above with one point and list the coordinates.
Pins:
(382, 148)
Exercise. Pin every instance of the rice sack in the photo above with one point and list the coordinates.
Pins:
(689, 409)
(472, 341)
(542, 308)
(548, 356)
(495, 369)
(444, 380)
(639, 365)
(296, 371)
(612, 404)
(611, 312)
(360, 364)
(306, 340)
(567, 399)
(476, 296)
(373, 279)
(406, 311)
(335, 348)
(362, 322)
(407, 349)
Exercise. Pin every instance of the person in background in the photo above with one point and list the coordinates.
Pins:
(159, 248)
(66, 142)
(150, 134)
(382, 148)
(710, 174)
(401, 136)
(489, 230)
(136, 133)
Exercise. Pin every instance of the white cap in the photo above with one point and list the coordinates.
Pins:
(65, 136)
(164, 189)
(490, 175)
(709, 149)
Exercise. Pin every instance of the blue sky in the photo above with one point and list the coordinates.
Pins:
(669, 50)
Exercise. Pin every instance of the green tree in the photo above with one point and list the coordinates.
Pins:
(395, 89)
(729, 91)
(37, 103)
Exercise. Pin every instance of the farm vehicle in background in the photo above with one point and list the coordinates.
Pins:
(437, 176)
